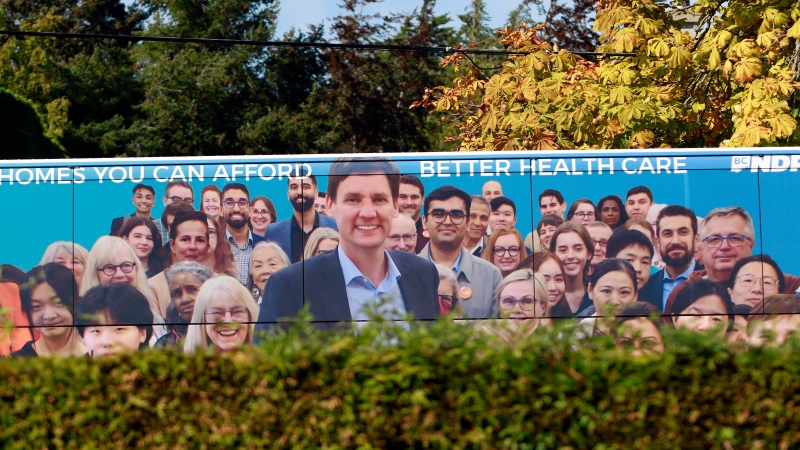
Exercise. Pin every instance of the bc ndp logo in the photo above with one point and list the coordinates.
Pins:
(765, 163)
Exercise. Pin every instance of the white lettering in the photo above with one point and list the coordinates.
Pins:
(779, 163)
(440, 167)
(9, 176)
(625, 166)
(574, 169)
(79, 176)
(141, 174)
(544, 165)
(646, 165)
(662, 164)
(194, 172)
(155, 174)
(759, 163)
(589, 162)
(284, 170)
(266, 166)
(609, 165)
(677, 163)
(561, 166)
(44, 177)
(486, 168)
(63, 175)
(502, 165)
(117, 169)
(221, 173)
(426, 169)
(19, 178)
(100, 173)
(530, 167)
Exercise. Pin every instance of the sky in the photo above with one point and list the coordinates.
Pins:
(299, 13)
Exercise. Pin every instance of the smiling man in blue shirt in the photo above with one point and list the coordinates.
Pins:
(342, 286)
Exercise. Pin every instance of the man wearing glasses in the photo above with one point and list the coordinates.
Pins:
(361, 277)
(176, 191)
(726, 235)
(236, 211)
(404, 234)
(446, 211)
(292, 233)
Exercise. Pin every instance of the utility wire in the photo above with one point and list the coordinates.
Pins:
(230, 42)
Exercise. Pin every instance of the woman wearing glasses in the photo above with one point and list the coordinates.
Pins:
(611, 288)
(505, 249)
(637, 329)
(262, 213)
(582, 211)
(522, 300)
(320, 241)
(113, 261)
(754, 278)
(224, 316)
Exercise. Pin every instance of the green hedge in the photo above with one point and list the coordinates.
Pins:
(434, 387)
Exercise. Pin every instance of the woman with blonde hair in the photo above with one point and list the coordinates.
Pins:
(224, 316)
(322, 240)
(68, 254)
(113, 261)
(522, 300)
(505, 249)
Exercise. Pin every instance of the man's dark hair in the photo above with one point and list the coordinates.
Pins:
(701, 288)
(120, 302)
(177, 183)
(173, 210)
(676, 211)
(345, 166)
(145, 187)
(414, 181)
(187, 216)
(640, 190)
(497, 202)
(444, 193)
(238, 186)
(551, 193)
(623, 238)
(321, 194)
(301, 174)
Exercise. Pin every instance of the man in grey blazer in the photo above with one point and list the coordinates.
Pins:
(360, 275)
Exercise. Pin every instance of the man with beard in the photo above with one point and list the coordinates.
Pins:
(236, 211)
(677, 238)
(292, 233)
(412, 191)
(447, 210)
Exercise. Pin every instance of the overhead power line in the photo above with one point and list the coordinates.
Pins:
(231, 42)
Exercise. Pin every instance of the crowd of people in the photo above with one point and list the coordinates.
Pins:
(376, 244)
